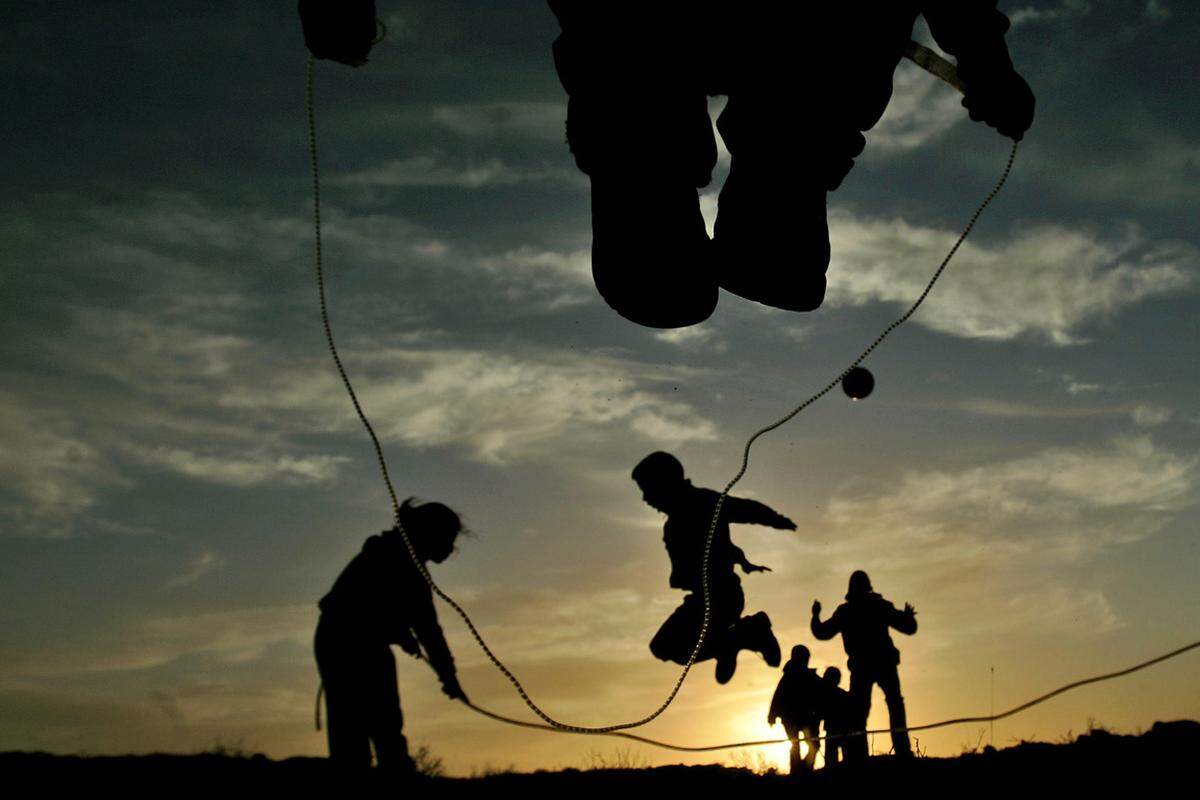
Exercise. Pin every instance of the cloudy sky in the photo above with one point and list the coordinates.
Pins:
(182, 477)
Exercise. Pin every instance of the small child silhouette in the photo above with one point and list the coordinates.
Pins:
(797, 702)
(838, 712)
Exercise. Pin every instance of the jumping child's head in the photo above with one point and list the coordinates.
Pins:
(660, 477)
(432, 527)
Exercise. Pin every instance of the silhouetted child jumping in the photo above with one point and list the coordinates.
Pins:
(863, 622)
(838, 713)
(798, 702)
(689, 513)
(381, 599)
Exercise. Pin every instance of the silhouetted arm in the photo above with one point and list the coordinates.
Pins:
(973, 32)
(752, 512)
(776, 704)
(828, 629)
(738, 556)
(429, 633)
(904, 621)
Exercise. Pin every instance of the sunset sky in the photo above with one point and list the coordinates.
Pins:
(182, 475)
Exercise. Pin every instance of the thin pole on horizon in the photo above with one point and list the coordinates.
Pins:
(992, 710)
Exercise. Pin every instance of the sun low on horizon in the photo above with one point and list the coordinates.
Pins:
(183, 477)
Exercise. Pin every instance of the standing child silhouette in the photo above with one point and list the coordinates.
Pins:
(863, 622)
(381, 599)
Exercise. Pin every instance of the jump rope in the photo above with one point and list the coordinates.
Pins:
(929, 61)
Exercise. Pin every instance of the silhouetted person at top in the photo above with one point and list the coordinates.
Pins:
(838, 711)
(689, 513)
(380, 599)
(863, 621)
(797, 702)
(804, 80)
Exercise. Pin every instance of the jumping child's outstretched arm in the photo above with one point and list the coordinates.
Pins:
(752, 512)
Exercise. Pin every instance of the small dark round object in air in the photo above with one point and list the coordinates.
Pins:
(858, 383)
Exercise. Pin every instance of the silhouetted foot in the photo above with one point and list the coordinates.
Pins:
(726, 666)
(761, 639)
(651, 256)
(771, 235)
(772, 242)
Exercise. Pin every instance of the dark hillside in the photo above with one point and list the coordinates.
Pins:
(1161, 761)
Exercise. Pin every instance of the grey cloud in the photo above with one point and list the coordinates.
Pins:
(1158, 11)
(1063, 10)
(1047, 281)
(230, 636)
(1149, 415)
(431, 170)
(1058, 503)
(544, 120)
(50, 472)
(498, 406)
(921, 110)
(243, 470)
(204, 563)
(1156, 165)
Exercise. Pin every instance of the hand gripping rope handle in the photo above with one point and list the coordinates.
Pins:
(919, 55)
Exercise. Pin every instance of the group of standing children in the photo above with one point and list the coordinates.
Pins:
(804, 699)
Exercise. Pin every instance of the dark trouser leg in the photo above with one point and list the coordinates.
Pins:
(812, 739)
(834, 747)
(638, 125)
(635, 83)
(795, 763)
(384, 717)
(349, 744)
(861, 683)
(889, 681)
(677, 636)
(345, 723)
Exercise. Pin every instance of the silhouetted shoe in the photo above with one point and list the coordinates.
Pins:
(651, 256)
(772, 239)
(726, 665)
(761, 639)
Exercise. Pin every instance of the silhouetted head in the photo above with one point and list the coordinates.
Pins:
(832, 676)
(801, 655)
(859, 583)
(660, 477)
(432, 527)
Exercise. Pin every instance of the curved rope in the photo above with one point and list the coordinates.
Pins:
(420, 565)
(930, 726)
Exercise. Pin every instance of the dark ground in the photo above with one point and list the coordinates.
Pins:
(1161, 762)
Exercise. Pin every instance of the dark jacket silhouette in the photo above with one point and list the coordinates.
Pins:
(804, 80)
(798, 703)
(378, 600)
(689, 513)
(864, 621)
